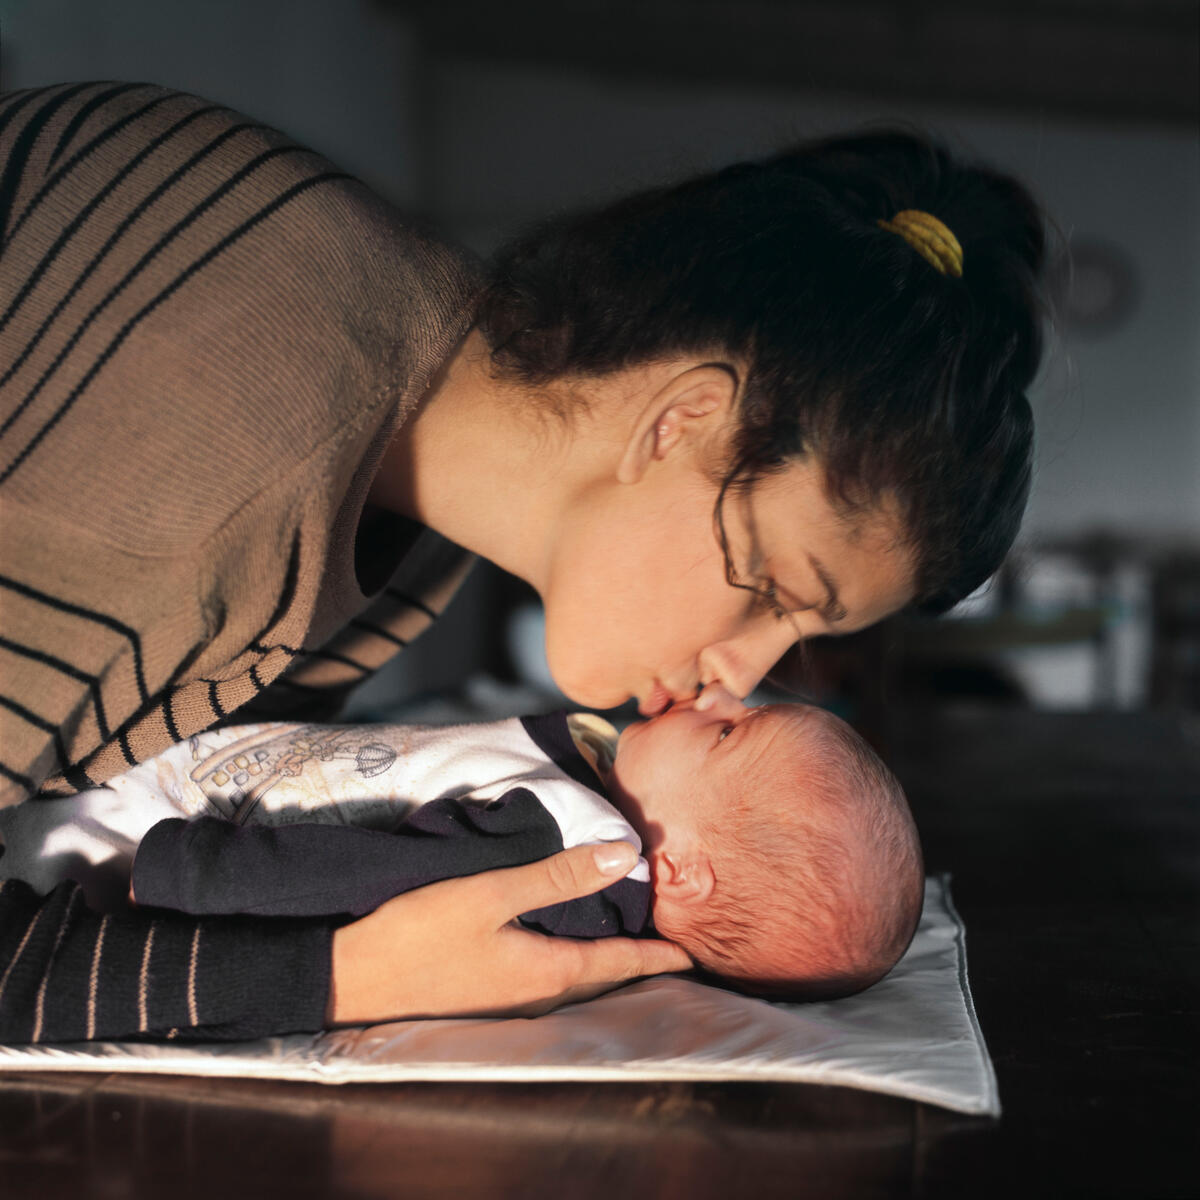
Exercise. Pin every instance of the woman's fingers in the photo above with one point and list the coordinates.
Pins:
(568, 875)
(607, 962)
(583, 970)
(454, 949)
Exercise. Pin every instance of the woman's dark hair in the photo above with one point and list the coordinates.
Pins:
(900, 379)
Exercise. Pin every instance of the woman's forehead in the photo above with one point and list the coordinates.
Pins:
(794, 501)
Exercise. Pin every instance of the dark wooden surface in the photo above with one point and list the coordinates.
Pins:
(1073, 843)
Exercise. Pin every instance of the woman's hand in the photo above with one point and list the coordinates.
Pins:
(454, 949)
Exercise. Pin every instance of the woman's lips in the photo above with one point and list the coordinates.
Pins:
(657, 700)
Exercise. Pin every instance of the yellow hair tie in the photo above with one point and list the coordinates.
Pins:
(929, 238)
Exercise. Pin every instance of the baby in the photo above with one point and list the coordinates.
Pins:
(783, 853)
(778, 849)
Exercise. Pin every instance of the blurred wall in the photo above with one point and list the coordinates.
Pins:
(335, 75)
(485, 149)
(1119, 413)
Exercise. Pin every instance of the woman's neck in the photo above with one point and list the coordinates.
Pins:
(491, 466)
(480, 465)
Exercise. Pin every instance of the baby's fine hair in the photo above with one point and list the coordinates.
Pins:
(819, 872)
(903, 380)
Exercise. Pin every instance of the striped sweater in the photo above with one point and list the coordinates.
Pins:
(208, 336)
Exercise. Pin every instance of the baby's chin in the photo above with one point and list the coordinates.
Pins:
(626, 756)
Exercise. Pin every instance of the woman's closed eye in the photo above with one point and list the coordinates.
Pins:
(768, 598)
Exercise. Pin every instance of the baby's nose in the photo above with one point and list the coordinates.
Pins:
(720, 701)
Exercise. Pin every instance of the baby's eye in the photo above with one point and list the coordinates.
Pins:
(724, 733)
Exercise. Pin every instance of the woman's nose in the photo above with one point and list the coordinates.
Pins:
(720, 703)
(740, 662)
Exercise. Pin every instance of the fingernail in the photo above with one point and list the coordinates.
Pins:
(614, 858)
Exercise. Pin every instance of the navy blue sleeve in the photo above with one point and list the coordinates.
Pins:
(621, 908)
(68, 973)
(211, 866)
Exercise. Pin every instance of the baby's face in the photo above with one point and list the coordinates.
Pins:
(675, 772)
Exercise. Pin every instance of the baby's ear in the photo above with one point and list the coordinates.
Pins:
(683, 877)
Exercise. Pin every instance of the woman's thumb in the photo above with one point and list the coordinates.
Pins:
(614, 858)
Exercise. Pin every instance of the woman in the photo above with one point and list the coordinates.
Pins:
(240, 396)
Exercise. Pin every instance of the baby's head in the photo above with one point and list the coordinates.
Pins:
(783, 853)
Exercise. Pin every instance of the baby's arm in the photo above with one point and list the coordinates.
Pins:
(213, 866)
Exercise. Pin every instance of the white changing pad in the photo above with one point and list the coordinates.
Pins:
(914, 1034)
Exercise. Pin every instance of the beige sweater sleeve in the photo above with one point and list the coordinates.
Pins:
(207, 336)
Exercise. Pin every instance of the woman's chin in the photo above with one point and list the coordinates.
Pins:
(590, 694)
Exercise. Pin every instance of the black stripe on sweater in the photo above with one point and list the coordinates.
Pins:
(184, 276)
(313, 689)
(411, 601)
(12, 94)
(377, 630)
(287, 594)
(103, 136)
(169, 719)
(333, 656)
(126, 224)
(81, 217)
(197, 211)
(31, 718)
(22, 781)
(15, 102)
(161, 699)
(88, 614)
(122, 740)
(76, 122)
(261, 647)
(65, 668)
(77, 778)
(18, 156)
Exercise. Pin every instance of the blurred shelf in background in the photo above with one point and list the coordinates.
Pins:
(1094, 622)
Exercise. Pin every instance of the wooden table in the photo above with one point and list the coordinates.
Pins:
(1073, 843)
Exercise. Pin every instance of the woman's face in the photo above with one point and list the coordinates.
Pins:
(638, 605)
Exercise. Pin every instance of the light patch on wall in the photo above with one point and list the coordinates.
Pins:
(1094, 287)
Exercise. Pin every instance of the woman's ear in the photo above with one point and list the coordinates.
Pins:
(694, 401)
(684, 877)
